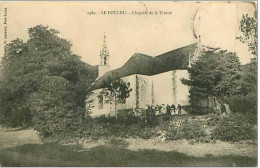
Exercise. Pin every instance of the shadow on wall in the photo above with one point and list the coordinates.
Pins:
(109, 155)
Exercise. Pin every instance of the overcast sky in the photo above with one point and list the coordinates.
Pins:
(127, 34)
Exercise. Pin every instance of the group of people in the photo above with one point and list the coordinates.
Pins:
(151, 111)
(163, 109)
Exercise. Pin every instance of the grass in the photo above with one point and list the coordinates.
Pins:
(24, 148)
(51, 154)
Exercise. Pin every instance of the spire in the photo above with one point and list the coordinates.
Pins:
(104, 53)
(104, 42)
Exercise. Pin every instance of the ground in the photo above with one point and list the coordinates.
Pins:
(25, 148)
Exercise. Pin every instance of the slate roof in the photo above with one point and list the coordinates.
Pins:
(142, 64)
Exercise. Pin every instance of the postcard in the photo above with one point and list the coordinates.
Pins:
(128, 84)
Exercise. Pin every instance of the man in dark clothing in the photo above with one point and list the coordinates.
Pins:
(157, 109)
(160, 109)
(168, 110)
(179, 109)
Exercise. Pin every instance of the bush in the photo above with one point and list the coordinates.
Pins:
(235, 127)
(214, 120)
(185, 130)
(122, 127)
(246, 104)
(103, 127)
(124, 120)
(147, 133)
(198, 110)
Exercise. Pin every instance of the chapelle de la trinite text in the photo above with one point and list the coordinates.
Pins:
(116, 12)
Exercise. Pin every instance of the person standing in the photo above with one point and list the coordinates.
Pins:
(179, 109)
(160, 109)
(152, 115)
(163, 109)
(152, 110)
(173, 108)
(168, 110)
(147, 111)
(157, 109)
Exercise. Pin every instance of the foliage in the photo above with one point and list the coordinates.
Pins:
(218, 74)
(235, 127)
(15, 87)
(107, 127)
(147, 133)
(117, 91)
(248, 26)
(216, 127)
(247, 101)
(198, 109)
(123, 120)
(189, 129)
(214, 74)
(44, 83)
(214, 120)
(245, 104)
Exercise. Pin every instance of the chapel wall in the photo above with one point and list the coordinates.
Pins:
(96, 111)
(131, 100)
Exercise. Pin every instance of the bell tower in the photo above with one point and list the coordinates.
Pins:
(104, 59)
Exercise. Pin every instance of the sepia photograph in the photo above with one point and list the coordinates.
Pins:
(128, 84)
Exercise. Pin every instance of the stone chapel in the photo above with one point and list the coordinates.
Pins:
(154, 80)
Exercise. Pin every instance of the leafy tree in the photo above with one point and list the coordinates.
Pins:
(117, 91)
(224, 78)
(44, 83)
(47, 105)
(214, 74)
(247, 101)
(248, 26)
(18, 82)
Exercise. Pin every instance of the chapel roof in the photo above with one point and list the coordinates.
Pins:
(177, 59)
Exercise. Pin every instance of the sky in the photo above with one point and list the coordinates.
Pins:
(216, 22)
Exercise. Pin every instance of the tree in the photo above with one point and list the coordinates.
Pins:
(214, 74)
(49, 113)
(247, 101)
(19, 78)
(248, 26)
(44, 83)
(117, 91)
